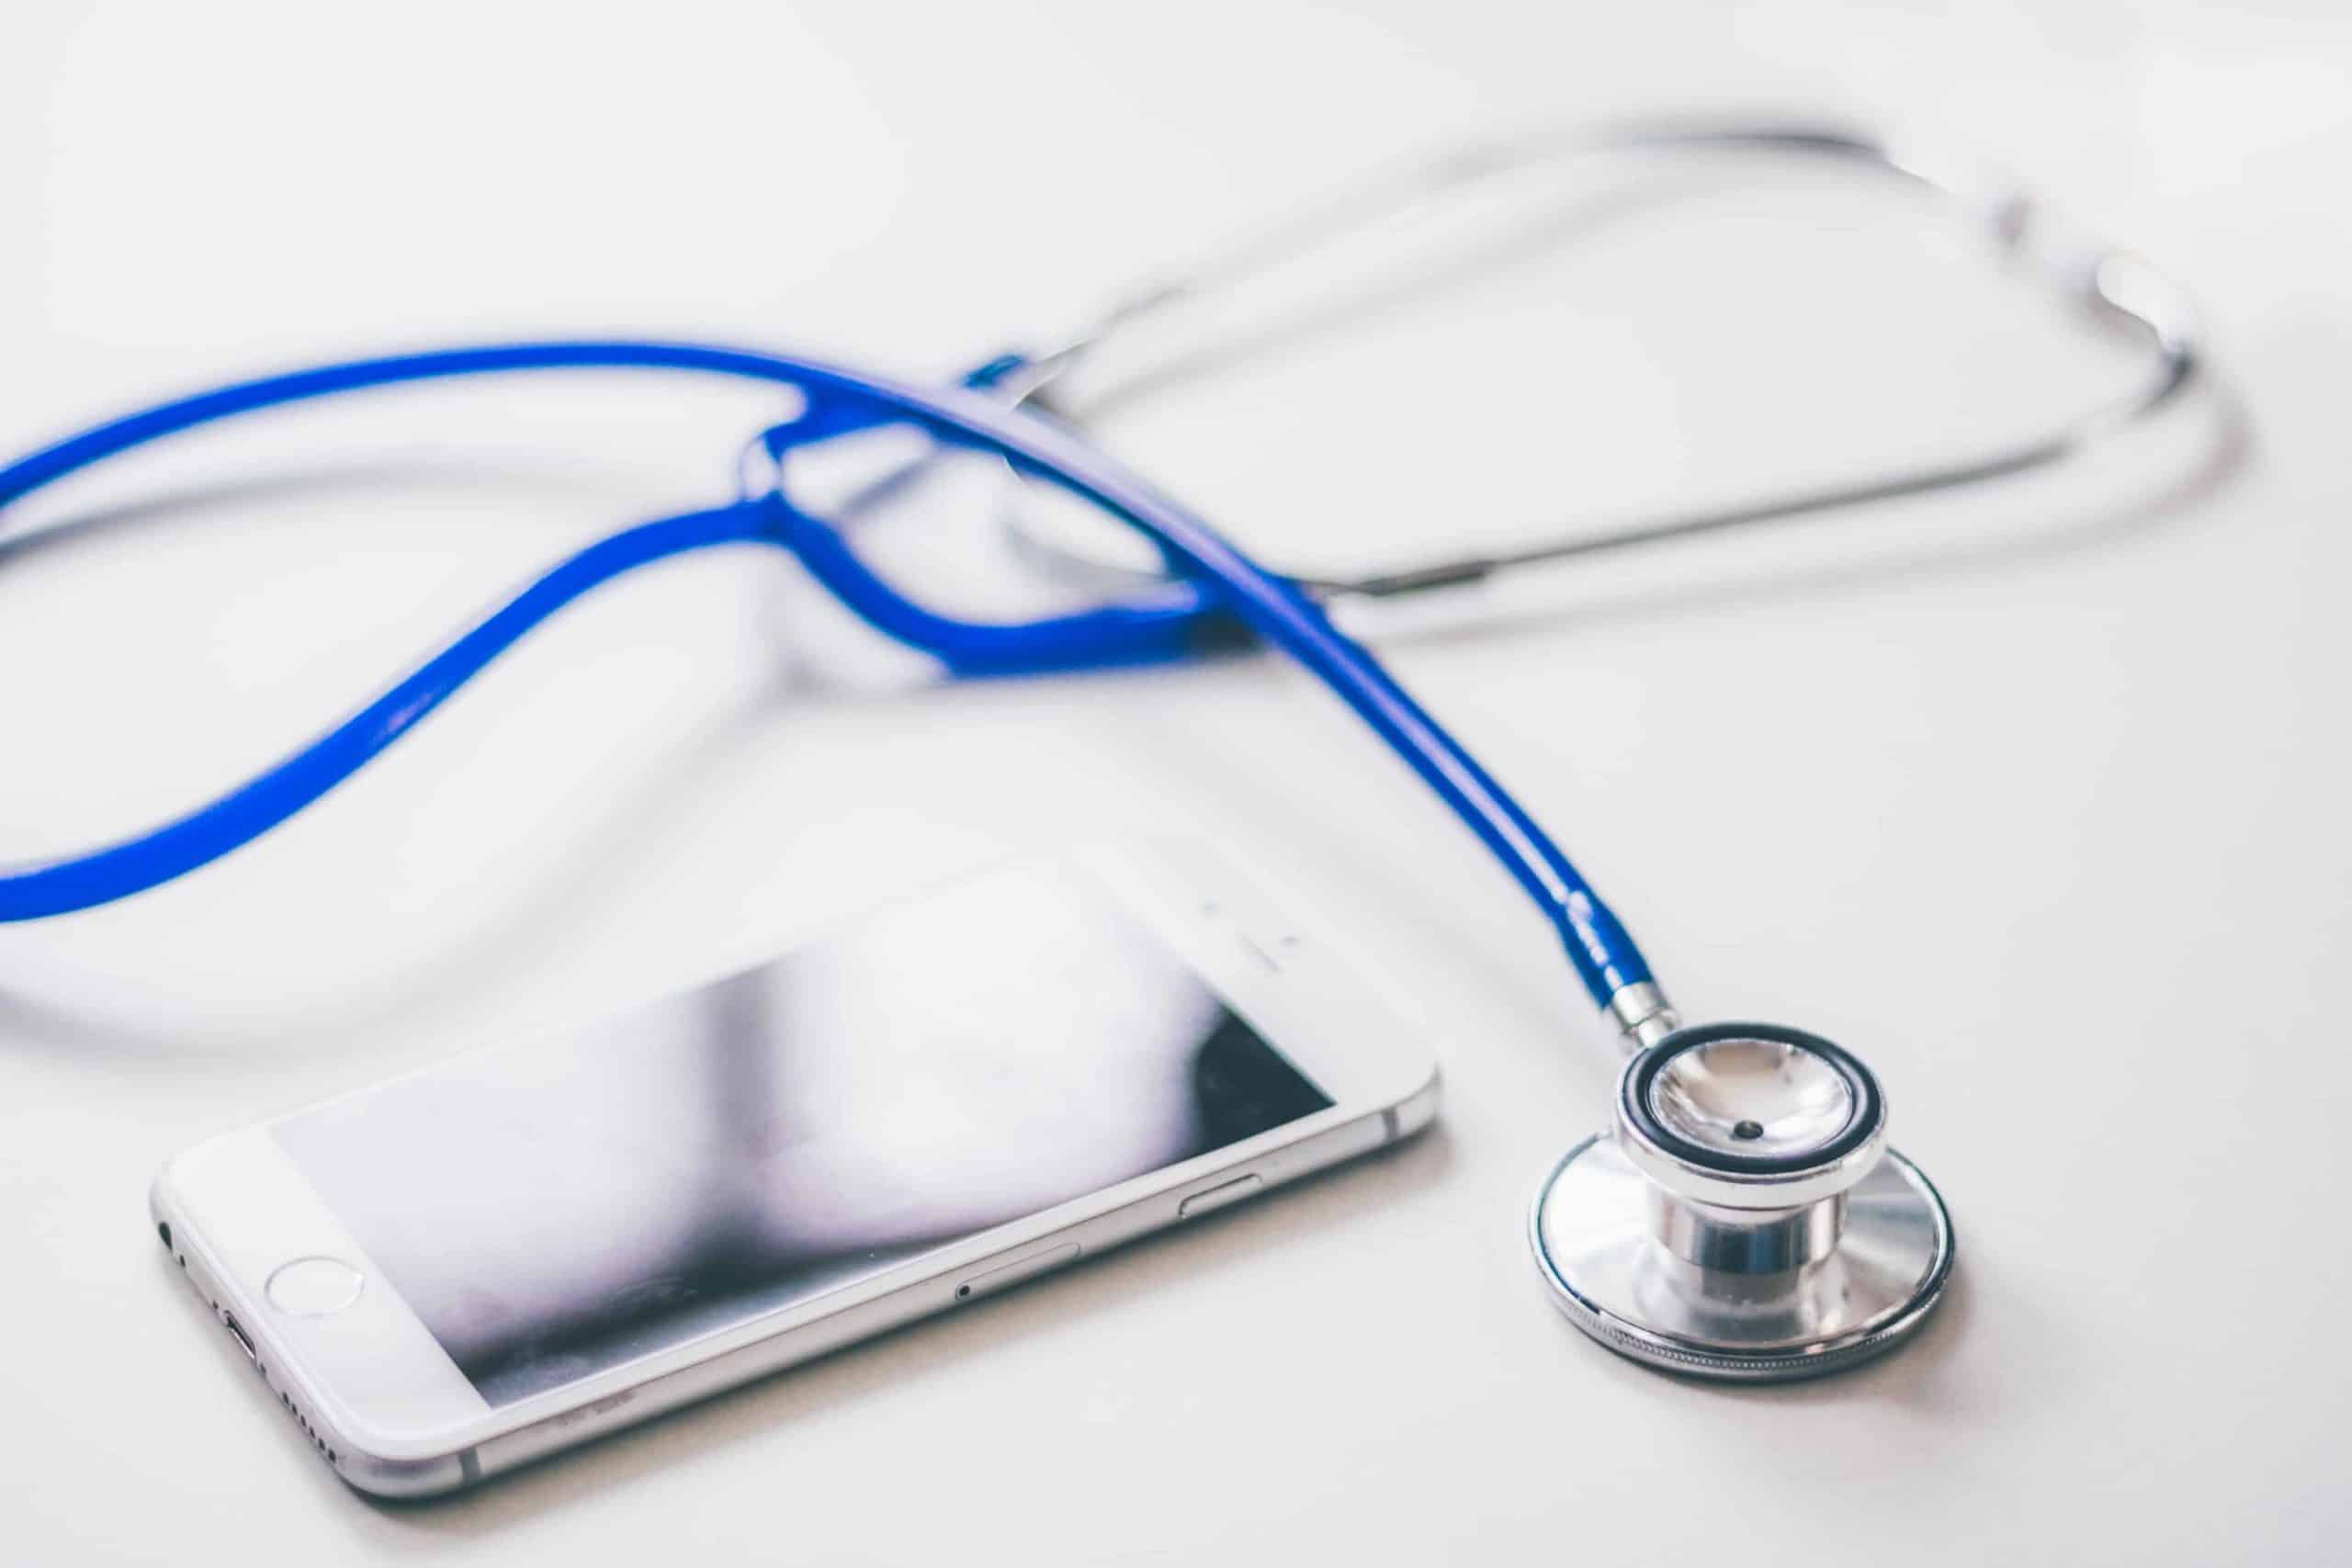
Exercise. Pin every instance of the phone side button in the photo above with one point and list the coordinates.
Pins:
(1218, 1197)
(1013, 1273)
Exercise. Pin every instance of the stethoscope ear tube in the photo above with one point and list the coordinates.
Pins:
(2111, 287)
(68, 883)
(1223, 586)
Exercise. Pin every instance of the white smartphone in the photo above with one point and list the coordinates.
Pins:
(461, 1271)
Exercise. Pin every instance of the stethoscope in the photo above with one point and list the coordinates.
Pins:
(1743, 1217)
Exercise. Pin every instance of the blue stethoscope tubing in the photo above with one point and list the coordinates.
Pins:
(1216, 591)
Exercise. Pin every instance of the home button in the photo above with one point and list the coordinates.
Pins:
(313, 1287)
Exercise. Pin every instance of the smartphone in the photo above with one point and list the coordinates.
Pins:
(469, 1268)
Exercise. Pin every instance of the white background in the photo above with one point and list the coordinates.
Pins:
(2035, 797)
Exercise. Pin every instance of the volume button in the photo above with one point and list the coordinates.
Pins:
(1217, 1197)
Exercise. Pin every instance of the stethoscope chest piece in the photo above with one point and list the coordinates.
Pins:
(1744, 1219)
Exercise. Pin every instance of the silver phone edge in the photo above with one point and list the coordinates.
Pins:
(1376, 1128)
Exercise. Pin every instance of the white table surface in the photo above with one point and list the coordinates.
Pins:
(2036, 797)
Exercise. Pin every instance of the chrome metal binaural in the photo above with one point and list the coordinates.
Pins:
(2109, 285)
(1744, 1217)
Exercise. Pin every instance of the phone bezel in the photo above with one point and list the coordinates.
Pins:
(374, 1376)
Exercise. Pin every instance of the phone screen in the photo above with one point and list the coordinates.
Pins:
(554, 1209)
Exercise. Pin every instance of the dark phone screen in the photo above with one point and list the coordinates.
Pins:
(554, 1209)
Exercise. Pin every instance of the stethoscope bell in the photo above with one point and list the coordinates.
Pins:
(1744, 1219)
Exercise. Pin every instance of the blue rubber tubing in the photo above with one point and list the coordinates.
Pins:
(1220, 588)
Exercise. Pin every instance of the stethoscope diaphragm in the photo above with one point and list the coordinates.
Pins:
(1743, 1218)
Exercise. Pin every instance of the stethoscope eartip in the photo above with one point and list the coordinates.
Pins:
(1743, 1218)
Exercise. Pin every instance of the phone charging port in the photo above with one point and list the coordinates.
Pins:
(237, 1332)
